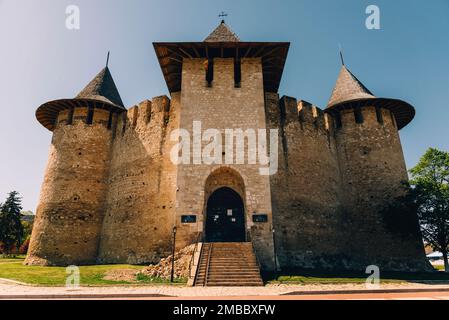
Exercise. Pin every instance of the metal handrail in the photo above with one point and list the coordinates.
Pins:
(257, 260)
(208, 264)
(195, 249)
(255, 254)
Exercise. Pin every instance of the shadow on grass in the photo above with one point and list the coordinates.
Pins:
(307, 276)
(142, 278)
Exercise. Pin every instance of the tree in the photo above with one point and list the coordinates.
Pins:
(430, 181)
(11, 229)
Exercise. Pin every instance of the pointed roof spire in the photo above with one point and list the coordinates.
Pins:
(341, 55)
(102, 88)
(222, 33)
(347, 88)
(101, 92)
(349, 92)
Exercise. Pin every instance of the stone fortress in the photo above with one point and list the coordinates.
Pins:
(111, 193)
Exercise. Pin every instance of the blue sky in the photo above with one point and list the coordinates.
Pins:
(41, 60)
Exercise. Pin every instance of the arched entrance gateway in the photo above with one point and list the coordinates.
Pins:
(225, 206)
(225, 220)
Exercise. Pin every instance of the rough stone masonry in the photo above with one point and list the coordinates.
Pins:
(111, 193)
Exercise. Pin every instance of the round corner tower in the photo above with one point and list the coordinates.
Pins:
(70, 211)
(374, 174)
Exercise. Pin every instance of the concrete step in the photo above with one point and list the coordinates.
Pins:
(232, 276)
(234, 284)
(233, 272)
(229, 264)
(234, 268)
(226, 265)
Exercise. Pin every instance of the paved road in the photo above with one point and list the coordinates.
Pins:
(437, 295)
(372, 296)
(407, 291)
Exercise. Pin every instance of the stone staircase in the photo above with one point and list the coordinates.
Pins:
(228, 264)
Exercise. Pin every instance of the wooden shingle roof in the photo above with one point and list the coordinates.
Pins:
(349, 92)
(102, 88)
(100, 93)
(222, 33)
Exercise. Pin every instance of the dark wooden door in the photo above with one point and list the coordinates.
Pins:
(225, 220)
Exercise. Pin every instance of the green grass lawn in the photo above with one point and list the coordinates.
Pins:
(323, 280)
(13, 269)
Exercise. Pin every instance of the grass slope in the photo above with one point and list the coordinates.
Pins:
(14, 269)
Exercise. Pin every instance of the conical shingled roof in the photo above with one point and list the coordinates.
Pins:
(100, 93)
(349, 92)
(222, 33)
(102, 88)
(347, 88)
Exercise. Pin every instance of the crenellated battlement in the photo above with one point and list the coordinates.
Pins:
(367, 116)
(156, 110)
(86, 115)
(304, 114)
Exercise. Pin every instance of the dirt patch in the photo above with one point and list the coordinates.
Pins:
(128, 275)
(163, 268)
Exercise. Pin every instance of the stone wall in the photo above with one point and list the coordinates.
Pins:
(142, 185)
(71, 207)
(308, 218)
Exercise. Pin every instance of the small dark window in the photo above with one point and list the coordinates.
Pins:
(338, 123)
(90, 115)
(70, 116)
(188, 219)
(393, 119)
(358, 115)
(124, 123)
(237, 73)
(210, 72)
(260, 218)
(379, 115)
(110, 120)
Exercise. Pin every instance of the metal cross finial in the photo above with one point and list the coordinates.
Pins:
(222, 15)
(107, 60)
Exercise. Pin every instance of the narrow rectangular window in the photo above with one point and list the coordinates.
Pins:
(124, 118)
(70, 116)
(338, 123)
(358, 115)
(379, 115)
(210, 72)
(110, 120)
(237, 73)
(393, 119)
(90, 115)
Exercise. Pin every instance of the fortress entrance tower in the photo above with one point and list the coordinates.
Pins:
(222, 83)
